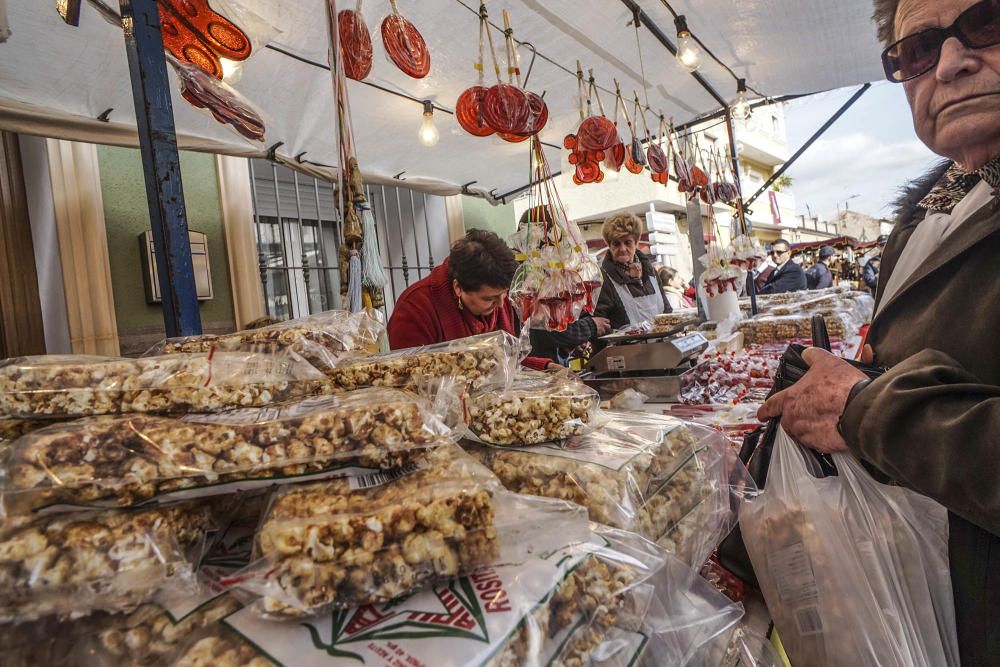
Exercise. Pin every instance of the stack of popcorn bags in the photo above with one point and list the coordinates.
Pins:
(288, 496)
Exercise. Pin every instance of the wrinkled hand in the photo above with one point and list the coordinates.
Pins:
(603, 325)
(811, 408)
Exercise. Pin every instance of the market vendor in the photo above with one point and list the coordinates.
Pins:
(632, 293)
(464, 296)
(932, 421)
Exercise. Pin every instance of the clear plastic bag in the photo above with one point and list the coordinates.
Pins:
(602, 600)
(537, 407)
(74, 564)
(375, 538)
(79, 386)
(854, 572)
(773, 328)
(133, 460)
(476, 361)
(320, 339)
(664, 479)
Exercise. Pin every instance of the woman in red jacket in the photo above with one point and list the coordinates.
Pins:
(464, 296)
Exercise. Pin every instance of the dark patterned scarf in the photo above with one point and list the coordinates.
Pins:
(957, 183)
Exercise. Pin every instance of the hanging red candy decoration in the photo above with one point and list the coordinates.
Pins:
(194, 33)
(513, 113)
(355, 43)
(404, 44)
(615, 157)
(469, 112)
(597, 133)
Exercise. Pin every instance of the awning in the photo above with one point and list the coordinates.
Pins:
(56, 80)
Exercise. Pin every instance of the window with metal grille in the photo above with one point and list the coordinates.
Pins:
(297, 228)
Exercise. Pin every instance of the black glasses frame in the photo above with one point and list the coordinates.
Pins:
(890, 62)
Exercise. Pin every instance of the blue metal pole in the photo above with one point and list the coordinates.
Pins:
(161, 166)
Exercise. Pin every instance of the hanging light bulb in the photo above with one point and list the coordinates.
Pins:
(688, 52)
(741, 108)
(428, 133)
(232, 70)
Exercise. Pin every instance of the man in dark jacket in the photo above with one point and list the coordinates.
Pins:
(932, 421)
(789, 276)
(870, 273)
(819, 276)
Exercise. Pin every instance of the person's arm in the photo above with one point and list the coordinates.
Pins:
(935, 427)
(539, 363)
(577, 333)
(609, 305)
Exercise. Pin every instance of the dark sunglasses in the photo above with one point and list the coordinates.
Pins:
(780, 252)
(977, 28)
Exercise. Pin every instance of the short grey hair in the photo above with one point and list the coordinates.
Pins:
(885, 19)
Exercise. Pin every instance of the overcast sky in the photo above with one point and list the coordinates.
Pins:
(870, 151)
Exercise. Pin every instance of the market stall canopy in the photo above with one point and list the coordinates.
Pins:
(57, 80)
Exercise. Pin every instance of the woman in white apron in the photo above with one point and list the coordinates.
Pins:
(632, 293)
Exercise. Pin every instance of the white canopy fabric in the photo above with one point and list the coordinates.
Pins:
(55, 80)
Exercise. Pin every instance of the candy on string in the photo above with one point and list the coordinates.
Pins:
(557, 281)
(197, 35)
(355, 43)
(404, 44)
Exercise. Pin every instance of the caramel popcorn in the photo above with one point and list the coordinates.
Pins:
(73, 564)
(331, 544)
(128, 460)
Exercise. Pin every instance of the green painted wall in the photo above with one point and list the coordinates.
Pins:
(480, 214)
(126, 216)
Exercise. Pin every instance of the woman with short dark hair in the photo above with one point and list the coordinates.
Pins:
(464, 296)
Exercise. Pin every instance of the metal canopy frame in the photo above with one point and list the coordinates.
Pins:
(161, 165)
(140, 22)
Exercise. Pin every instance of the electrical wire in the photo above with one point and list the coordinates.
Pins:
(673, 12)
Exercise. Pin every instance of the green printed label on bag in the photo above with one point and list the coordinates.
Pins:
(468, 621)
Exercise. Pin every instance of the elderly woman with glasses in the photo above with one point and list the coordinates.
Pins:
(632, 293)
(932, 421)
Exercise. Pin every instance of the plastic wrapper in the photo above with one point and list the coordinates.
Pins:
(474, 361)
(854, 572)
(536, 408)
(319, 339)
(607, 475)
(656, 476)
(225, 103)
(78, 386)
(737, 646)
(770, 329)
(376, 538)
(603, 600)
(130, 460)
(74, 564)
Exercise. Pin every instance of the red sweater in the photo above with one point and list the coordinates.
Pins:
(427, 313)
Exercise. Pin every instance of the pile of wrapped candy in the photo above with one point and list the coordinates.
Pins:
(175, 509)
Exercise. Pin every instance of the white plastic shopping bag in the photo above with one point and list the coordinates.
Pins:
(854, 572)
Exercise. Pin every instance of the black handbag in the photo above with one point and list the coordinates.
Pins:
(758, 444)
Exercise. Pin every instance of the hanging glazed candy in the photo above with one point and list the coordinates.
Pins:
(194, 33)
(659, 161)
(355, 43)
(506, 108)
(404, 44)
(557, 281)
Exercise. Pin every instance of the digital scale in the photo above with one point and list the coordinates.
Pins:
(653, 363)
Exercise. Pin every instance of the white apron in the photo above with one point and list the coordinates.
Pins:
(642, 308)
